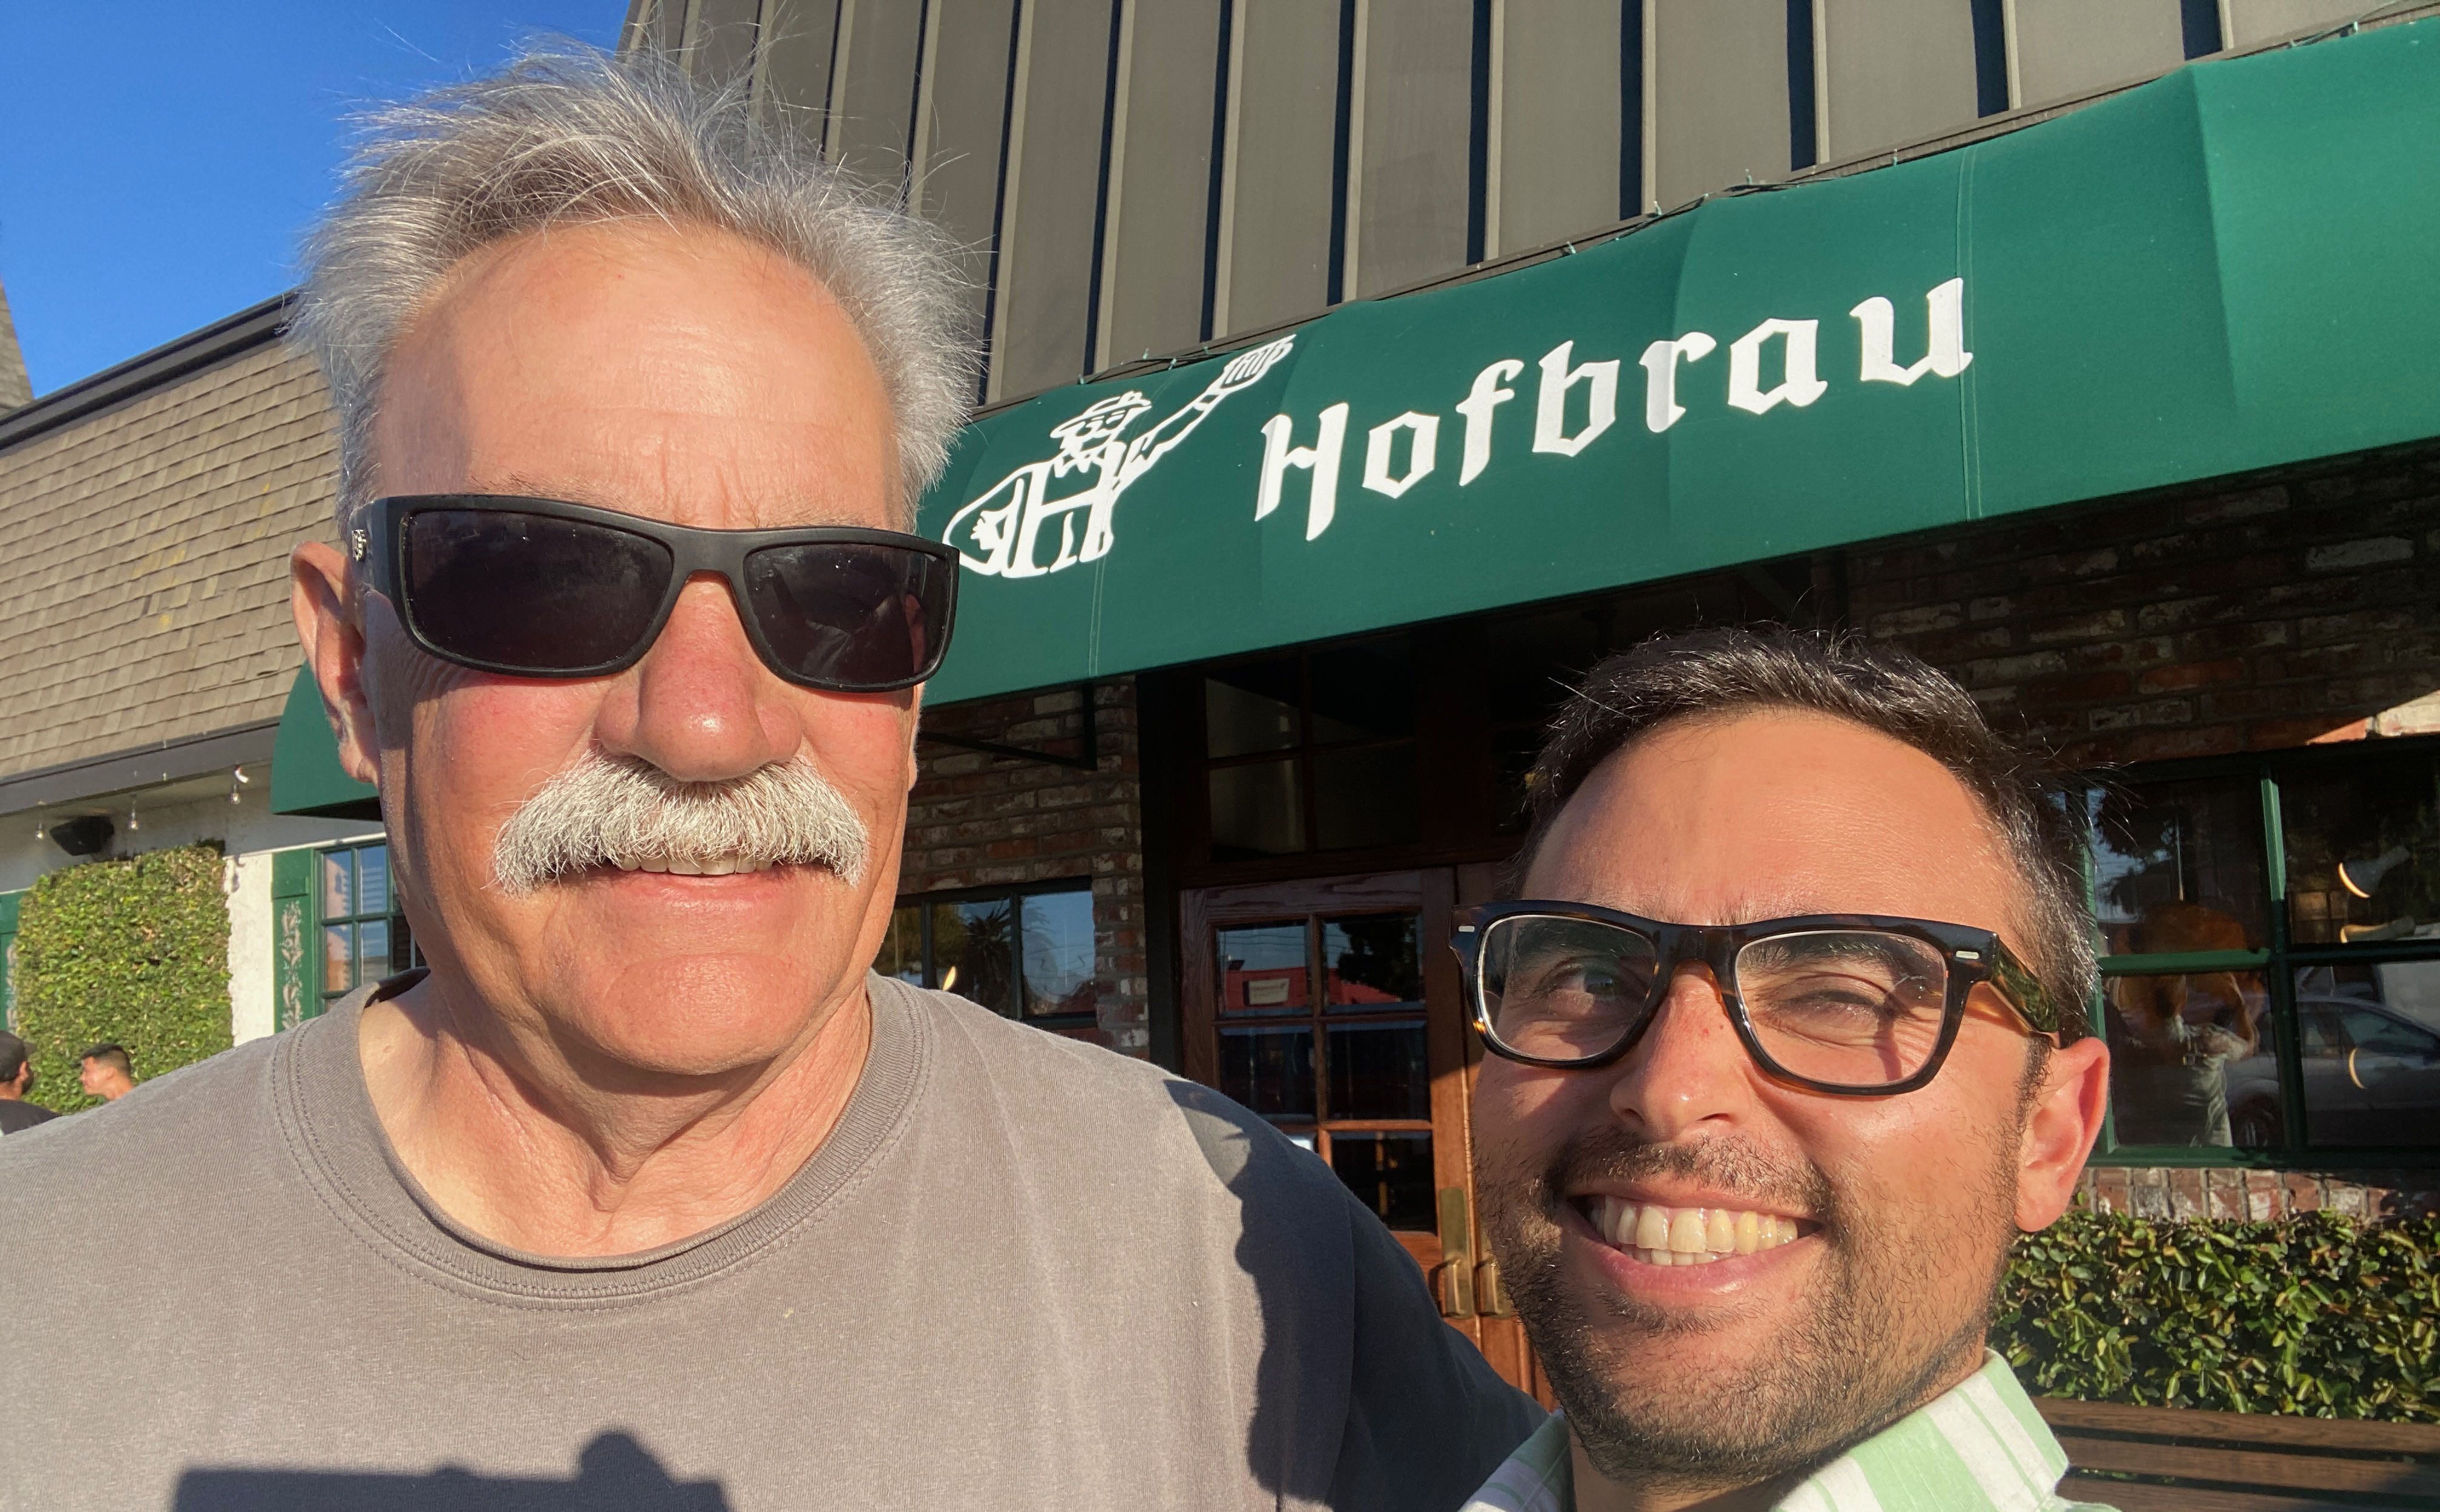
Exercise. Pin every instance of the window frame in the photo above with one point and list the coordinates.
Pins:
(923, 902)
(2278, 961)
(317, 955)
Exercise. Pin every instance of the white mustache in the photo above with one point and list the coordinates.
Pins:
(618, 810)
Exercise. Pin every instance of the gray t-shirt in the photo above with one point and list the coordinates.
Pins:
(1022, 1273)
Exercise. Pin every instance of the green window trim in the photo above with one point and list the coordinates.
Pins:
(10, 903)
(2279, 962)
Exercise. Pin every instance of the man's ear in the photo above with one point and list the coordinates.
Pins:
(335, 649)
(2061, 1124)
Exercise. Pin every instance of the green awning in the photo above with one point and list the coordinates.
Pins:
(306, 778)
(2227, 269)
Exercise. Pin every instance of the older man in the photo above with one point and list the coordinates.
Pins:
(1788, 1045)
(648, 1188)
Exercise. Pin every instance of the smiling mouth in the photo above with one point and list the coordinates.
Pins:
(711, 866)
(1657, 1235)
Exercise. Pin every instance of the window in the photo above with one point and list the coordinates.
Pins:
(365, 938)
(1340, 1067)
(1024, 952)
(1311, 751)
(2271, 932)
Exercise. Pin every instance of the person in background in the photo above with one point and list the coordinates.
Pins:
(16, 1080)
(1788, 1046)
(106, 1072)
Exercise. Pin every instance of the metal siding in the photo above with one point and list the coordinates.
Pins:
(1047, 231)
(877, 86)
(1160, 192)
(1410, 214)
(966, 103)
(1895, 70)
(720, 40)
(795, 86)
(2067, 46)
(1558, 121)
(1285, 108)
(1719, 72)
(2251, 21)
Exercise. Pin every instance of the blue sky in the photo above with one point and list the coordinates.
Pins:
(162, 156)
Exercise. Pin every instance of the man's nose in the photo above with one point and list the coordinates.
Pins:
(701, 705)
(1689, 1068)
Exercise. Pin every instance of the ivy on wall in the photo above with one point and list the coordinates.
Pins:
(2317, 1315)
(134, 951)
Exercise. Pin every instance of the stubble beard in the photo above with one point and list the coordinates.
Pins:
(1883, 1330)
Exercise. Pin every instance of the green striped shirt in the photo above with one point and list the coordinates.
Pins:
(1980, 1447)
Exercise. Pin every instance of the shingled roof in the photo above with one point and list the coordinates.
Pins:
(146, 516)
(15, 388)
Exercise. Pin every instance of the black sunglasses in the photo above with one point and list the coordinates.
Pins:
(544, 588)
(1850, 1005)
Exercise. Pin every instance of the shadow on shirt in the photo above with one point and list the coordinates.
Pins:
(613, 1474)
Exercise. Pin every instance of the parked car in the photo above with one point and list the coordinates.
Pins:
(2371, 1077)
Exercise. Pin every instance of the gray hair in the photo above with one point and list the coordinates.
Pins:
(570, 136)
(1721, 672)
(622, 812)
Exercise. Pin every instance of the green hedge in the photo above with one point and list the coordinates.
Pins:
(2317, 1315)
(133, 950)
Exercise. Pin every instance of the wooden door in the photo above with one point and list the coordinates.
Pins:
(1331, 1006)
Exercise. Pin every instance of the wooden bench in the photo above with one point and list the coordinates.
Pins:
(2183, 1460)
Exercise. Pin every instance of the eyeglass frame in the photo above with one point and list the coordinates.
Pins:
(381, 542)
(1971, 956)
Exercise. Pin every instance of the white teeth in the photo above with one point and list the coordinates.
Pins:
(654, 866)
(623, 863)
(679, 866)
(1685, 1235)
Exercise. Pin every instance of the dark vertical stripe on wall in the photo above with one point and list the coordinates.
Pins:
(2200, 21)
(1803, 152)
(1101, 195)
(1990, 58)
(1219, 169)
(1633, 195)
(908, 170)
(1341, 141)
(1000, 209)
(1477, 137)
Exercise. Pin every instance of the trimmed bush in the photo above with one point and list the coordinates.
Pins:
(135, 952)
(2318, 1315)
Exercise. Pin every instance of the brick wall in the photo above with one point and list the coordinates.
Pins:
(2288, 608)
(2150, 1191)
(977, 820)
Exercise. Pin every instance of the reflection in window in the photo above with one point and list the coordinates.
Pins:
(2191, 1060)
(973, 952)
(363, 937)
(1270, 1071)
(1391, 1173)
(1263, 969)
(2363, 853)
(1377, 1071)
(1021, 953)
(1059, 954)
(2177, 866)
(1374, 959)
(1252, 707)
(2370, 1042)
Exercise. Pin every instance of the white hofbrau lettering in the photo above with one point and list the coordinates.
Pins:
(1798, 385)
(1661, 407)
(1422, 453)
(1944, 352)
(1320, 459)
(1488, 394)
(1551, 402)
